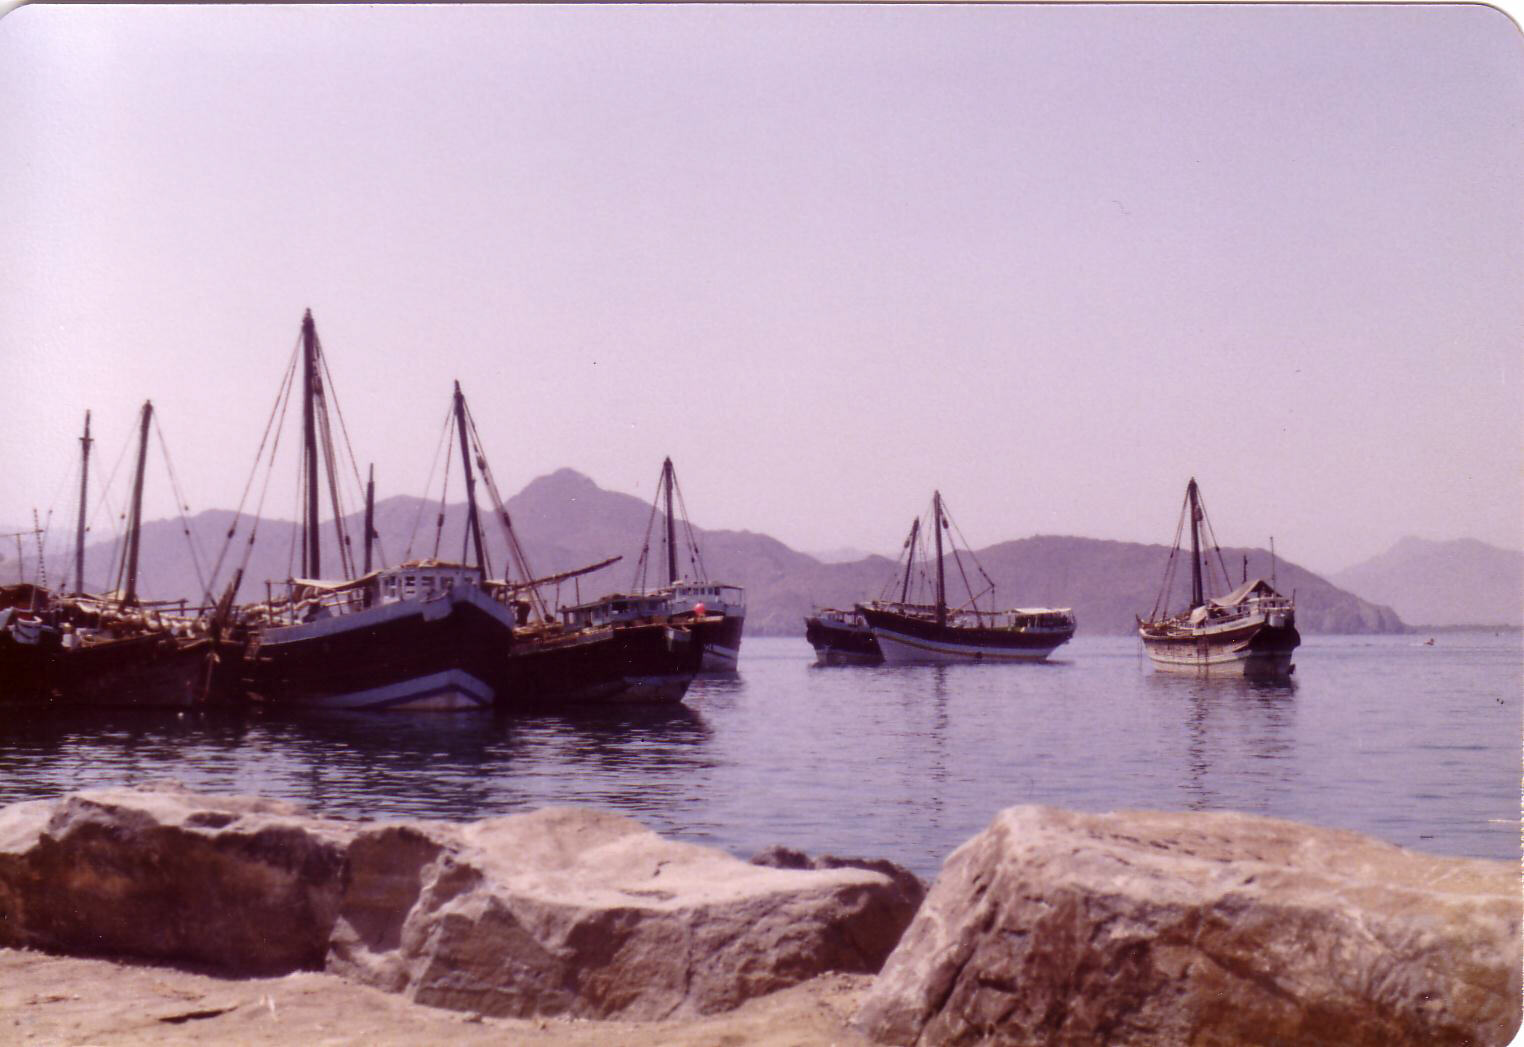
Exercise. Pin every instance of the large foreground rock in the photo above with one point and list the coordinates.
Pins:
(558, 912)
(582, 913)
(1144, 927)
(238, 884)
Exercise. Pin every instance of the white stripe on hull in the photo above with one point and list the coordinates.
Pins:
(899, 649)
(450, 690)
(1220, 661)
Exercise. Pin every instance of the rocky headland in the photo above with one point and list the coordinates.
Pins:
(155, 914)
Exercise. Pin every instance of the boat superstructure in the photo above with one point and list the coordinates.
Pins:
(1251, 631)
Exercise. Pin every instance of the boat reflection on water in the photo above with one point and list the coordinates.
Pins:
(633, 760)
(1240, 738)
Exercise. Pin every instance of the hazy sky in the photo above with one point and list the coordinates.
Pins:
(1052, 260)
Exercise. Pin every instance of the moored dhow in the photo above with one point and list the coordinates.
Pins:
(841, 638)
(422, 636)
(716, 611)
(909, 632)
(619, 649)
(427, 635)
(104, 651)
(1251, 631)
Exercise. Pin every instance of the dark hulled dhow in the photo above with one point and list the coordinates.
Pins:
(935, 632)
(841, 638)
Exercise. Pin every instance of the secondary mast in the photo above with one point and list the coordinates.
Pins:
(473, 524)
(1197, 599)
(79, 534)
(915, 529)
(936, 501)
(311, 561)
(666, 479)
(135, 521)
(370, 514)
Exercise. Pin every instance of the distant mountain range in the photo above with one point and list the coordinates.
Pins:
(564, 520)
(1459, 582)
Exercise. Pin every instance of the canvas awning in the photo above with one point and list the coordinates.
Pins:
(1243, 592)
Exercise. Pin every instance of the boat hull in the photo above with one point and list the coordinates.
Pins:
(836, 643)
(1254, 649)
(28, 666)
(721, 640)
(150, 671)
(908, 639)
(442, 653)
(613, 665)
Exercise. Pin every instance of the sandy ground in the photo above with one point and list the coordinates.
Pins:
(62, 1000)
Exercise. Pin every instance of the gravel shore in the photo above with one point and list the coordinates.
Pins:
(61, 1000)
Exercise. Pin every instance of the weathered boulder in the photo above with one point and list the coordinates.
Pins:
(912, 888)
(558, 912)
(588, 914)
(242, 885)
(1145, 927)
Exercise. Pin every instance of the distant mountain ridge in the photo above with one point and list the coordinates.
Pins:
(564, 520)
(1457, 582)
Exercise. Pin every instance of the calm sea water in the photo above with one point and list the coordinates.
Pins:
(1418, 745)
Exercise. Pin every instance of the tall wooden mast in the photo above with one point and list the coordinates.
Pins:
(666, 479)
(312, 564)
(79, 534)
(1195, 509)
(915, 529)
(936, 502)
(135, 520)
(472, 521)
(370, 514)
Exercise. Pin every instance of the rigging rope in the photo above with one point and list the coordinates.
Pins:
(282, 397)
(182, 507)
(423, 502)
(354, 464)
(1170, 565)
(695, 557)
(111, 513)
(444, 487)
(638, 583)
(515, 550)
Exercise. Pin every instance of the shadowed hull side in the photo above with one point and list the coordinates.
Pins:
(838, 644)
(624, 664)
(154, 671)
(27, 670)
(436, 654)
(907, 639)
(721, 640)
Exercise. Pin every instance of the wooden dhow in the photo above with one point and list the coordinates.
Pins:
(715, 611)
(113, 650)
(841, 637)
(1251, 631)
(429, 634)
(911, 632)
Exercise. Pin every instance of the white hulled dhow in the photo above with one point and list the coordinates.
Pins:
(1251, 631)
